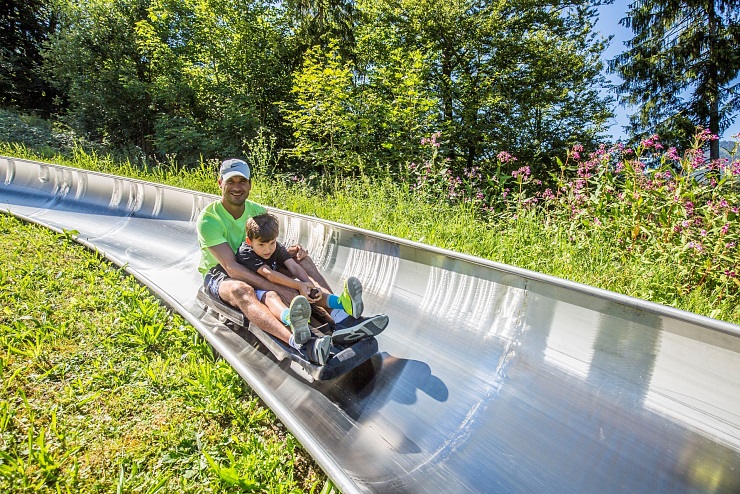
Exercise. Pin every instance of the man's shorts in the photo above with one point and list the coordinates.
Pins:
(212, 282)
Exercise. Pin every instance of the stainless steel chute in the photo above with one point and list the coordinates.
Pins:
(489, 378)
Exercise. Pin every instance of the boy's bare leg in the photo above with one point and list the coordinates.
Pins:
(241, 295)
(275, 304)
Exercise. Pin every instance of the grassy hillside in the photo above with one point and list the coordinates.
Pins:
(103, 390)
(622, 252)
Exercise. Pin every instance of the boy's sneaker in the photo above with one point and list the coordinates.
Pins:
(298, 317)
(317, 349)
(351, 297)
(352, 329)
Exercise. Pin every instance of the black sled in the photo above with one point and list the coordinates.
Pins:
(343, 358)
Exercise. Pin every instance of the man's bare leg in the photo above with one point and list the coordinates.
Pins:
(241, 295)
(312, 271)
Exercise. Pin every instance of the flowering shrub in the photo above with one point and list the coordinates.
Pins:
(662, 206)
(657, 204)
(490, 193)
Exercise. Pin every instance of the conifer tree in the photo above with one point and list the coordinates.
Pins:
(681, 67)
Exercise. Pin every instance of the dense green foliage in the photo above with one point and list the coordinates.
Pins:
(24, 27)
(681, 67)
(347, 86)
(103, 390)
(516, 76)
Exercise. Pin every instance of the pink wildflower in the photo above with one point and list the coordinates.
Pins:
(735, 168)
(697, 246)
(672, 154)
(706, 135)
(652, 142)
(432, 141)
(505, 157)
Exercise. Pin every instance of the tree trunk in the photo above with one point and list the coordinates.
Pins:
(446, 85)
(713, 87)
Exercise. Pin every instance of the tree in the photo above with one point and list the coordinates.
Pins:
(323, 22)
(218, 68)
(323, 116)
(346, 120)
(24, 27)
(96, 63)
(520, 76)
(681, 67)
(179, 79)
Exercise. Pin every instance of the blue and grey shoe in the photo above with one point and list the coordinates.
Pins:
(298, 317)
(352, 329)
(317, 349)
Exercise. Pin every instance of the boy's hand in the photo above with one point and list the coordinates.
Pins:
(307, 290)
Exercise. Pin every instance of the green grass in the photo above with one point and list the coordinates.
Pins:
(103, 390)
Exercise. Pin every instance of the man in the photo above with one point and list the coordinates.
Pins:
(221, 230)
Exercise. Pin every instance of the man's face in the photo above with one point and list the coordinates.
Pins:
(235, 190)
(264, 248)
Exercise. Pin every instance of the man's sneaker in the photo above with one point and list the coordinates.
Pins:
(352, 329)
(317, 349)
(298, 317)
(351, 297)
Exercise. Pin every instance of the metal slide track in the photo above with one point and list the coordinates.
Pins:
(489, 378)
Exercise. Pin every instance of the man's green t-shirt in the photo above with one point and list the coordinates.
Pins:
(216, 225)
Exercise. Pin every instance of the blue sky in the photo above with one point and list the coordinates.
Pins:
(608, 23)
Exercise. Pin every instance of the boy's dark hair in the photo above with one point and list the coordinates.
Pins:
(263, 227)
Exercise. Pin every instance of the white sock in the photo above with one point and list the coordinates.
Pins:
(338, 315)
(292, 343)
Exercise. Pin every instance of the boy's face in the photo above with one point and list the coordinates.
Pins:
(264, 248)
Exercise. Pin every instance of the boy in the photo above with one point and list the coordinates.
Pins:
(262, 254)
